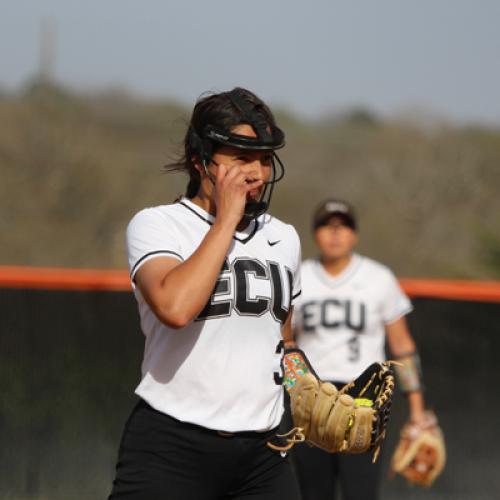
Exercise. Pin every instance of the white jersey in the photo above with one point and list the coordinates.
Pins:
(340, 322)
(223, 370)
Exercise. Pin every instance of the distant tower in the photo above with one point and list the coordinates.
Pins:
(47, 50)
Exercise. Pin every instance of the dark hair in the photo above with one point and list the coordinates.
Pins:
(220, 111)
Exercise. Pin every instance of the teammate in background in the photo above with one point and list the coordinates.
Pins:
(215, 278)
(350, 307)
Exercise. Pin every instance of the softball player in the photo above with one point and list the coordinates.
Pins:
(215, 278)
(350, 306)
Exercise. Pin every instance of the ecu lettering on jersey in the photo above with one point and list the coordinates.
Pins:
(236, 290)
(332, 314)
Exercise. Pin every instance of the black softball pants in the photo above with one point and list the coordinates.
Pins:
(161, 458)
(321, 474)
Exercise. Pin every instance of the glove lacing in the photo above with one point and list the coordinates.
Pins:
(292, 437)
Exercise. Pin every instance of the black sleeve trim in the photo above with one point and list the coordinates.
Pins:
(296, 295)
(166, 252)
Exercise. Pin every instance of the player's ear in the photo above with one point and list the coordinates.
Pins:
(197, 164)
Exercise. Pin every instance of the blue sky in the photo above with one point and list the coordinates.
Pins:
(312, 57)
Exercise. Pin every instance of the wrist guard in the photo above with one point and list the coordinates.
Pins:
(408, 371)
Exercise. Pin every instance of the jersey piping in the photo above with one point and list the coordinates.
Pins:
(209, 222)
(149, 254)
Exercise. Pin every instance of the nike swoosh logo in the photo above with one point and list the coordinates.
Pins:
(272, 243)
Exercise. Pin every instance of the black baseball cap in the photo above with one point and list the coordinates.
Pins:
(334, 207)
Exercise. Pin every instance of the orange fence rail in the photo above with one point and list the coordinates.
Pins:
(118, 280)
(481, 291)
(49, 278)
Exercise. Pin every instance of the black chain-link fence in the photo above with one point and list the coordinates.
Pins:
(69, 362)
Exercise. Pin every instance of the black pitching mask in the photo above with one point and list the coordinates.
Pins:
(268, 138)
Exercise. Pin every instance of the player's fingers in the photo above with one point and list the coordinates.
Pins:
(235, 178)
(231, 176)
(221, 172)
(253, 185)
(233, 171)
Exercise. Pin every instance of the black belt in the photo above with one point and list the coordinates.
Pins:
(225, 434)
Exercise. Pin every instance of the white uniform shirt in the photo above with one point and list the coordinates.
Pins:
(340, 320)
(222, 371)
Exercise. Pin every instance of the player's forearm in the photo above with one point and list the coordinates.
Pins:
(185, 290)
(399, 339)
(287, 331)
(416, 406)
